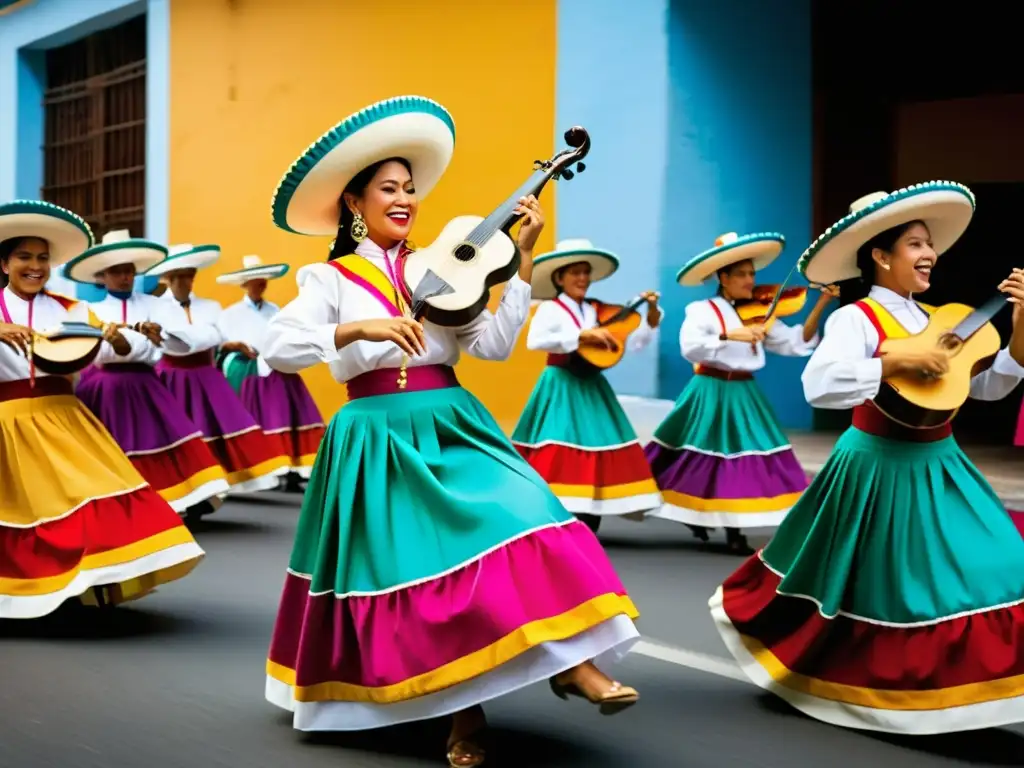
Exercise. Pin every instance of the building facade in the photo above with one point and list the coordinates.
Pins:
(700, 115)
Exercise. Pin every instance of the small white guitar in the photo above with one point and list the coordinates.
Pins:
(450, 280)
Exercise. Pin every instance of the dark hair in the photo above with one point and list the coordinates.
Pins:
(344, 244)
(858, 288)
(728, 271)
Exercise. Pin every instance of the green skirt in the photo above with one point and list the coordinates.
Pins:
(237, 368)
(576, 435)
(432, 570)
(892, 596)
(722, 460)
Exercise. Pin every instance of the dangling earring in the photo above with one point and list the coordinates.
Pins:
(358, 229)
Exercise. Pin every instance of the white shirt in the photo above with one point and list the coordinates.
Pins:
(47, 313)
(137, 308)
(553, 330)
(302, 333)
(186, 333)
(700, 343)
(247, 323)
(843, 372)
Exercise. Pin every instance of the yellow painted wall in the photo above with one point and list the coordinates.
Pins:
(253, 82)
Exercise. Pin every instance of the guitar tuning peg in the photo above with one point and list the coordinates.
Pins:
(538, 164)
(567, 174)
(580, 167)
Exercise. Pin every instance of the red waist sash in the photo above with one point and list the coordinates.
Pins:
(384, 381)
(196, 360)
(127, 367)
(45, 386)
(867, 418)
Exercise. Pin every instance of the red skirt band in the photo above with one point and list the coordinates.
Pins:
(719, 373)
(867, 418)
(45, 386)
(384, 381)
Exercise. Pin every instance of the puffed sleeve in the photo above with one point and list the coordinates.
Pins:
(301, 335)
(493, 335)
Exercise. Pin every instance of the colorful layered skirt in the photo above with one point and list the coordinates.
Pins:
(151, 427)
(575, 434)
(251, 461)
(432, 569)
(77, 520)
(282, 406)
(891, 598)
(720, 457)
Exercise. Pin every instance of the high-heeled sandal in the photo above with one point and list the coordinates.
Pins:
(466, 752)
(617, 698)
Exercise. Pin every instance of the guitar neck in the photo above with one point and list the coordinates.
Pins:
(979, 317)
(504, 217)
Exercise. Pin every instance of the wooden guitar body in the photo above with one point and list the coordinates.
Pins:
(920, 402)
(67, 349)
(620, 328)
(471, 270)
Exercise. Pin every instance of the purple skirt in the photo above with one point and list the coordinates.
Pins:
(280, 402)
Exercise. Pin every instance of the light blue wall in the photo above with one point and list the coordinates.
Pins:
(25, 33)
(613, 80)
(739, 157)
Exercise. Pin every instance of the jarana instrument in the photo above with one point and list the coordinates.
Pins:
(66, 349)
(967, 335)
(450, 281)
(619, 320)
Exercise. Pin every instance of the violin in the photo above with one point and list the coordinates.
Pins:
(754, 311)
(619, 320)
(450, 281)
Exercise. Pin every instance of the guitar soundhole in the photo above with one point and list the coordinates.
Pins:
(950, 343)
(465, 252)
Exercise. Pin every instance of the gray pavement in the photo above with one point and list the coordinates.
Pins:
(176, 681)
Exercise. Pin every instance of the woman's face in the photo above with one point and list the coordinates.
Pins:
(574, 280)
(120, 277)
(28, 266)
(180, 282)
(388, 204)
(908, 266)
(738, 281)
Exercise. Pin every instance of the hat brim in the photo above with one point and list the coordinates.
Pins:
(89, 267)
(198, 258)
(66, 234)
(603, 264)
(946, 208)
(242, 276)
(308, 199)
(761, 249)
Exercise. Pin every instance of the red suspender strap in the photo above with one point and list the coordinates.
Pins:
(718, 314)
(572, 314)
(864, 307)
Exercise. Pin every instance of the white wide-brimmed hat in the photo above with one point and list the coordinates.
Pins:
(945, 207)
(253, 268)
(66, 233)
(602, 264)
(187, 256)
(761, 248)
(308, 199)
(117, 247)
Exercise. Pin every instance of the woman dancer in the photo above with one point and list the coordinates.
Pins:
(125, 392)
(76, 519)
(596, 466)
(892, 596)
(419, 513)
(280, 402)
(720, 457)
(250, 459)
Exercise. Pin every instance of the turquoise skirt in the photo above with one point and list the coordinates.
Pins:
(574, 433)
(892, 596)
(721, 459)
(432, 570)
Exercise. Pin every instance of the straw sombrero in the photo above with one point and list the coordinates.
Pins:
(117, 247)
(308, 199)
(602, 264)
(186, 256)
(945, 207)
(761, 248)
(253, 268)
(66, 233)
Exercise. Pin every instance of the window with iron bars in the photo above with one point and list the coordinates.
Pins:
(95, 143)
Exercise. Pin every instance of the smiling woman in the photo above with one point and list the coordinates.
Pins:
(94, 530)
